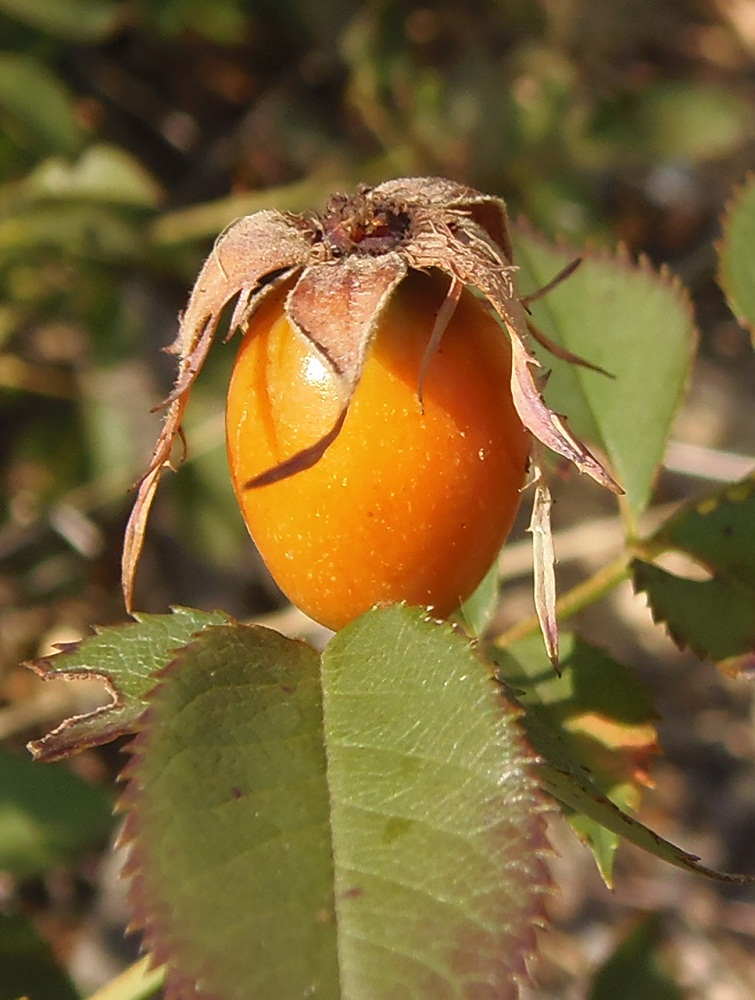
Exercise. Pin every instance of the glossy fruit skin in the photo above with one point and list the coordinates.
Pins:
(405, 505)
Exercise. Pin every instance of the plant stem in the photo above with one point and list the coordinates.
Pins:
(574, 600)
(138, 982)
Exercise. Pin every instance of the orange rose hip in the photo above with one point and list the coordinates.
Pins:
(412, 501)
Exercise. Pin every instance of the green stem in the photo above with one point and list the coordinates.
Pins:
(138, 982)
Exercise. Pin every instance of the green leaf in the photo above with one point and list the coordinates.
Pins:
(595, 690)
(102, 174)
(714, 617)
(229, 814)
(125, 658)
(736, 264)
(75, 20)
(630, 321)
(601, 718)
(636, 968)
(29, 967)
(370, 829)
(48, 816)
(35, 107)
(436, 821)
(567, 782)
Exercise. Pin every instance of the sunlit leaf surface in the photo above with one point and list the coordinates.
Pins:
(373, 829)
(574, 771)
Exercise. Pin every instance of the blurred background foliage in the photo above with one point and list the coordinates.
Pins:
(133, 131)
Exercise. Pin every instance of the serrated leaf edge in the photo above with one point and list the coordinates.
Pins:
(732, 203)
(46, 749)
(180, 987)
(143, 919)
(681, 642)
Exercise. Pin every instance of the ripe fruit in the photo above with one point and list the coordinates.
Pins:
(405, 505)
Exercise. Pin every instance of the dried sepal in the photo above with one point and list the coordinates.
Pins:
(352, 258)
(544, 559)
(455, 243)
(133, 539)
(243, 260)
(548, 427)
(558, 351)
(336, 306)
(439, 193)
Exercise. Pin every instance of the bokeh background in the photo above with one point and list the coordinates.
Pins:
(131, 133)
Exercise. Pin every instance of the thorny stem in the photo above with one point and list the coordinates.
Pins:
(586, 593)
(136, 983)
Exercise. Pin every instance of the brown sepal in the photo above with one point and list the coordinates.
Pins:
(243, 261)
